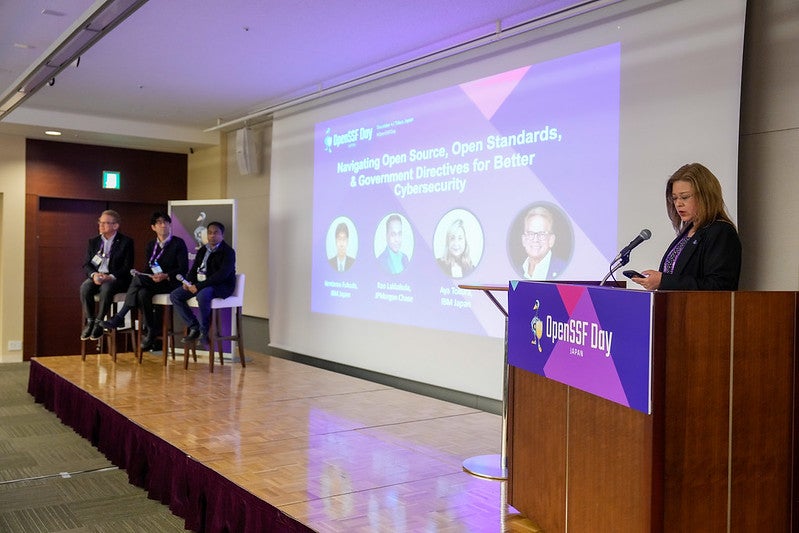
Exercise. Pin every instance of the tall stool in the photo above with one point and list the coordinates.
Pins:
(129, 332)
(167, 325)
(234, 301)
(108, 335)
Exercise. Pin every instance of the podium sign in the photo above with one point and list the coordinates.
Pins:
(596, 339)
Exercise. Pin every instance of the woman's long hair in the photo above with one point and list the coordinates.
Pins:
(707, 194)
(465, 260)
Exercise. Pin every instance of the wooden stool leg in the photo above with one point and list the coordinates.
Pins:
(219, 339)
(216, 337)
(239, 343)
(112, 344)
(139, 327)
(167, 329)
(187, 346)
(211, 342)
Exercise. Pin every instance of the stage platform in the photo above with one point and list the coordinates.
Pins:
(281, 446)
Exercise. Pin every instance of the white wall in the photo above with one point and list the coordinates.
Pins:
(769, 147)
(251, 192)
(12, 243)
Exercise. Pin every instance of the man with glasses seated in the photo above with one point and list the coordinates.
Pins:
(109, 258)
(167, 260)
(538, 239)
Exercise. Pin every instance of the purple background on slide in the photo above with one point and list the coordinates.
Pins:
(577, 172)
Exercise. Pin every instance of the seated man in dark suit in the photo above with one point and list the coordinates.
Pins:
(109, 258)
(213, 275)
(167, 258)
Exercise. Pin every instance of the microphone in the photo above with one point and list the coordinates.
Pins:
(644, 235)
(134, 272)
(624, 256)
(183, 280)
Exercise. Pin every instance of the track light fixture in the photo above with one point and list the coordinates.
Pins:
(97, 21)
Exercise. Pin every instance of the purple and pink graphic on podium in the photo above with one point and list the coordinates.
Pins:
(596, 339)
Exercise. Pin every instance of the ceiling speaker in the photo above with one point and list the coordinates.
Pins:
(247, 153)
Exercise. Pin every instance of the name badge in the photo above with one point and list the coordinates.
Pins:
(97, 259)
(200, 276)
(156, 268)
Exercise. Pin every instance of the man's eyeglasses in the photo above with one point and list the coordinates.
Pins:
(106, 222)
(682, 198)
(536, 235)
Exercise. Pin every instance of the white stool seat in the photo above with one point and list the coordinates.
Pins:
(234, 301)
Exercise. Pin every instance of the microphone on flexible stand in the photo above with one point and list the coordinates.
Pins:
(625, 252)
(624, 255)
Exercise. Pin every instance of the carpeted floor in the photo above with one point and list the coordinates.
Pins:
(53, 480)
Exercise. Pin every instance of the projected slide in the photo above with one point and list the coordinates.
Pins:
(513, 176)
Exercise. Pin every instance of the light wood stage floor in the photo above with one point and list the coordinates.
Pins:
(330, 451)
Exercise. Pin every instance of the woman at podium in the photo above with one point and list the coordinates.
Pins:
(706, 255)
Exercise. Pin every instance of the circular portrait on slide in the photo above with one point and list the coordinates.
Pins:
(341, 244)
(394, 243)
(458, 243)
(540, 242)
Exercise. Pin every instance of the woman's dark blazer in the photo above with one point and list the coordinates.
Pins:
(710, 261)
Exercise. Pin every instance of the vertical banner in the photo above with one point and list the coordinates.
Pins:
(596, 339)
(190, 220)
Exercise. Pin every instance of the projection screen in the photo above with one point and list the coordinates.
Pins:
(386, 198)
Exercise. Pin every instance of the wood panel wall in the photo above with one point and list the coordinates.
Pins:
(64, 197)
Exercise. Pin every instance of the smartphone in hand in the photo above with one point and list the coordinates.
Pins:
(632, 274)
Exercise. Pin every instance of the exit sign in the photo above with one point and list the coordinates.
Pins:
(111, 179)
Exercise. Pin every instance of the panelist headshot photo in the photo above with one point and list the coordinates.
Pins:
(341, 244)
(541, 242)
(458, 243)
(394, 243)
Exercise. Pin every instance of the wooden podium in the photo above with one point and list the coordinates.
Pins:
(718, 453)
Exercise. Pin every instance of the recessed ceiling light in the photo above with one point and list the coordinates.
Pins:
(53, 133)
(22, 45)
(53, 12)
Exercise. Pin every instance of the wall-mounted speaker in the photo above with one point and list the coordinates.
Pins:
(247, 153)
